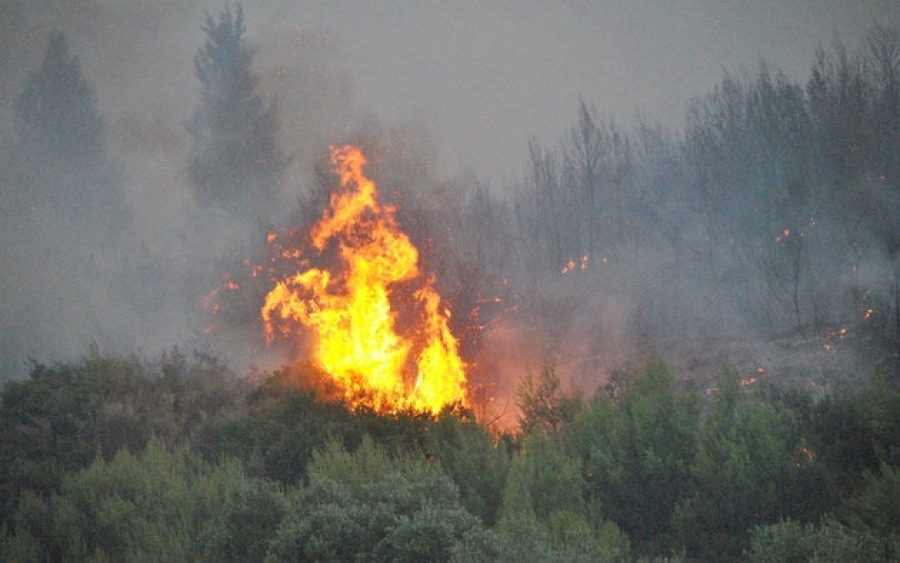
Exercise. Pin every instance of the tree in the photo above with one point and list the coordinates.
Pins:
(235, 162)
(826, 542)
(546, 228)
(63, 146)
(543, 404)
(467, 453)
(637, 451)
(63, 416)
(597, 167)
(741, 468)
(159, 505)
(369, 506)
(63, 217)
(883, 58)
(57, 107)
(544, 515)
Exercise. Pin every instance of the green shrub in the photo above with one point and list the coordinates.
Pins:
(789, 541)
(367, 505)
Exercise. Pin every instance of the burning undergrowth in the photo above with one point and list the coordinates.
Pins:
(372, 301)
(350, 296)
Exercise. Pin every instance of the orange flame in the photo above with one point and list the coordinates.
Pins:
(349, 311)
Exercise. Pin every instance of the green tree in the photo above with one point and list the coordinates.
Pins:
(159, 505)
(877, 509)
(789, 541)
(466, 451)
(280, 427)
(368, 505)
(544, 515)
(247, 521)
(235, 161)
(63, 416)
(742, 466)
(544, 406)
(49, 423)
(852, 431)
(637, 452)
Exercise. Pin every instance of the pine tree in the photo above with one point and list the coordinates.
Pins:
(57, 109)
(235, 161)
(63, 167)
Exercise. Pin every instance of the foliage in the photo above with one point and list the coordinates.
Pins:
(143, 507)
(243, 526)
(478, 466)
(637, 452)
(64, 416)
(542, 402)
(789, 541)
(284, 421)
(115, 458)
(368, 505)
(235, 162)
(567, 538)
(742, 467)
(877, 508)
(854, 431)
(544, 516)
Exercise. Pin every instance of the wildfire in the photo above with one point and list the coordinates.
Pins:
(349, 311)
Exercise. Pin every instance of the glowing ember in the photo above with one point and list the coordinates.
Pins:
(572, 265)
(349, 311)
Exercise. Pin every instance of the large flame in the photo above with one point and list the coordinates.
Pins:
(349, 310)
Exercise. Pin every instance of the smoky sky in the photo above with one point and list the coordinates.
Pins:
(468, 83)
(482, 77)
(488, 75)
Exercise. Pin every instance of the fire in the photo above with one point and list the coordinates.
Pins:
(572, 265)
(349, 310)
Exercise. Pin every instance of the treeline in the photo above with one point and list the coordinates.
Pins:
(777, 211)
(118, 459)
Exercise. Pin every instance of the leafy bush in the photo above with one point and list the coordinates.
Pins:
(62, 417)
(367, 505)
(742, 463)
(152, 506)
(637, 451)
(790, 541)
(466, 451)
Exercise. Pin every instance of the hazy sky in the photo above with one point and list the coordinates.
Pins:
(488, 75)
(482, 76)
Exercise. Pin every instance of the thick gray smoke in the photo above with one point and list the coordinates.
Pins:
(70, 279)
(446, 102)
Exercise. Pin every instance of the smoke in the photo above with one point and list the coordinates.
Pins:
(145, 288)
(158, 282)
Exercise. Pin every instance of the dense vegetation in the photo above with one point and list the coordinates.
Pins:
(119, 459)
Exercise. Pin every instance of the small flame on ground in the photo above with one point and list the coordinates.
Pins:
(572, 265)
